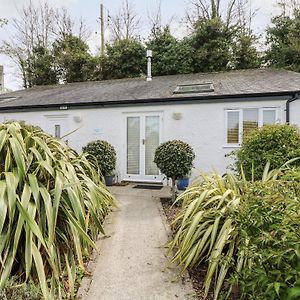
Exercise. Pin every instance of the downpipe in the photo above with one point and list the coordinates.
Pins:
(287, 107)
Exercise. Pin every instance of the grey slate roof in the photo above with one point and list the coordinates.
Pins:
(240, 82)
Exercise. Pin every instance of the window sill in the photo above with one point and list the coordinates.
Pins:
(234, 146)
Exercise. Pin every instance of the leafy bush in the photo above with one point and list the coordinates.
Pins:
(174, 159)
(273, 143)
(52, 204)
(291, 174)
(14, 291)
(269, 240)
(105, 155)
(204, 229)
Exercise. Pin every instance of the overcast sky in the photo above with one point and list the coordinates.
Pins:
(89, 11)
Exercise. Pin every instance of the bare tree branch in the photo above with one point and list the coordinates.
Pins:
(289, 6)
(230, 11)
(64, 24)
(125, 23)
(155, 18)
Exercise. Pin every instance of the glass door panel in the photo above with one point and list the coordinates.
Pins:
(133, 145)
(151, 143)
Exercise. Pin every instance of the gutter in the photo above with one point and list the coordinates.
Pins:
(287, 107)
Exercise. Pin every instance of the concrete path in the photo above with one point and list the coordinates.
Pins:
(132, 263)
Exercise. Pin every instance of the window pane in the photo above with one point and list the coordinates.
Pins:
(133, 145)
(269, 117)
(232, 127)
(250, 120)
(152, 142)
(57, 131)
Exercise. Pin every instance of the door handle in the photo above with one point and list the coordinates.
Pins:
(143, 141)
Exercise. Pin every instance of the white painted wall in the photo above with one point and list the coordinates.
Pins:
(201, 125)
(1, 80)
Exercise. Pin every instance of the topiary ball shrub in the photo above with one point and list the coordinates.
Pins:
(105, 155)
(174, 159)
(272, 143)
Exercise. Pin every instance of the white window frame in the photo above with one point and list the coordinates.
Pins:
(226, 124)
(57, 119)
(261, 116)
(241, 117)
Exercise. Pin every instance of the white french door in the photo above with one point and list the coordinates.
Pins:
(143, 136)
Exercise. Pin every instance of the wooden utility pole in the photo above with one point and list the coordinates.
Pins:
(102, 29)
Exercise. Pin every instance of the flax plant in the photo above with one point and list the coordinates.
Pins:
(52, 205)
(204, 229)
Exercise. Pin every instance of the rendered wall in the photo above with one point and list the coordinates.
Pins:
(201, 125)
(1, 80)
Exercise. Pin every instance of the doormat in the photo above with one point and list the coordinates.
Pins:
(148, 187)
(122, 183)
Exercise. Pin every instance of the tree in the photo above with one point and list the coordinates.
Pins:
(211, 41)
(221, 36)
(125, 23)
(73, 60)
(212, 34)
(213, 9)
(288, 7)
(33, 28)
(124, 59)
(42, 69)
(283, 38)
(245, 54)
(36, 28)
(170, 56)
(66, 26)
(155, 19)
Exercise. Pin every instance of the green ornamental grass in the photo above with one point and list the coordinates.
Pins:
(205, 232)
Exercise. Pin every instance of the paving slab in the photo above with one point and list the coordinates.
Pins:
(132, 262)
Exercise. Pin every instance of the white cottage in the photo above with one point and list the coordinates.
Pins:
(211, 112)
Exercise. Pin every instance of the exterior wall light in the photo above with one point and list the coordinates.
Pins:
(77, 118)
(177, 116)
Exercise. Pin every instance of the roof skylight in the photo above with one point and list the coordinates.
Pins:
(194, 88)
(5, 99)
